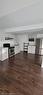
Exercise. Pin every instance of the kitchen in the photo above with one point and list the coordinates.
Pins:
(8, 46)
(13, 44)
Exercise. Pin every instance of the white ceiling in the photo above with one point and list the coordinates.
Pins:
(21, 15)
(8, 6)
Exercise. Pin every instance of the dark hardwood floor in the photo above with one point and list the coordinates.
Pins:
(21, 75)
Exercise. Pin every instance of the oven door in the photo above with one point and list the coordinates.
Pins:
(11, 51)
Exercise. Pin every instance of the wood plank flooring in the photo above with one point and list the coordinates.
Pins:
(21, 75)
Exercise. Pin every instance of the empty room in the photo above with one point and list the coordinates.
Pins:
(21, 47)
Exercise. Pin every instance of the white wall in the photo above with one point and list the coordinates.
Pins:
(31, 47)
(2, 39)
(22, 38)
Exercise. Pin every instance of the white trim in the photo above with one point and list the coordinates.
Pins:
(30, 28)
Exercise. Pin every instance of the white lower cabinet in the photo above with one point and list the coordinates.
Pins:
(31, 49)
(4, 54)
(17, 49)
(41, 51)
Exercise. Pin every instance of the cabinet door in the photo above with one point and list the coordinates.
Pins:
(29, 49)
(33, 49)
(42, 52)
(17, 50)
(4, 54)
